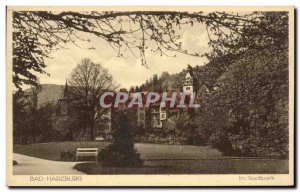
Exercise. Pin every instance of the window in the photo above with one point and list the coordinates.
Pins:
(188, 88)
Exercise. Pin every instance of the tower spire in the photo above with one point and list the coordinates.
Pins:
(66, 91)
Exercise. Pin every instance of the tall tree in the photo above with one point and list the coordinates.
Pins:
(155, 83)
(32, 107)
(20, 118)
(164, 79)
(87, 81)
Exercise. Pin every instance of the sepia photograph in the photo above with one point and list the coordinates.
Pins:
(156, 96)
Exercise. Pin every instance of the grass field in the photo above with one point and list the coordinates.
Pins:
(51, 151)
(163, 159)
(207, 166)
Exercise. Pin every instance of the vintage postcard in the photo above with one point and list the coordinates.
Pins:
(150, 96)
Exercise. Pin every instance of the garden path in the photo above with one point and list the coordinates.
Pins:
(35, 166)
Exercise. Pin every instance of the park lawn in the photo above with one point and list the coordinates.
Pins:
(93, 168)
(202, 166)
(224, 166)
(51, 151)
(163, 159)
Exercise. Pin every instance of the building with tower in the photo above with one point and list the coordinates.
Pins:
(156, 116)
(63, 103)
(187, 84)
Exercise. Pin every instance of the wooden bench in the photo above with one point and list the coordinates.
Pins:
(86, 152)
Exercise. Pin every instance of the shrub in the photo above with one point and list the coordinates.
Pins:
(195, 140)
(221, 142)
(15, 162)
(91, 168)
(68, 155)
(113, 157)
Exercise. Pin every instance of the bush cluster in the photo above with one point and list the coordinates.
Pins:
(68, 155)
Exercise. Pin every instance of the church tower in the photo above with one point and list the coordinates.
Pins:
(66, 91)
(188, 84)
(64, 102)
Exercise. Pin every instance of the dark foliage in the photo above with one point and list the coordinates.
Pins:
(31, 123)
(196, 140)
(68, 155)
(247, 113)
(88, 168)
(15, 162)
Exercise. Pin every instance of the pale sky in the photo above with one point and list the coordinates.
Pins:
(126, 71)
